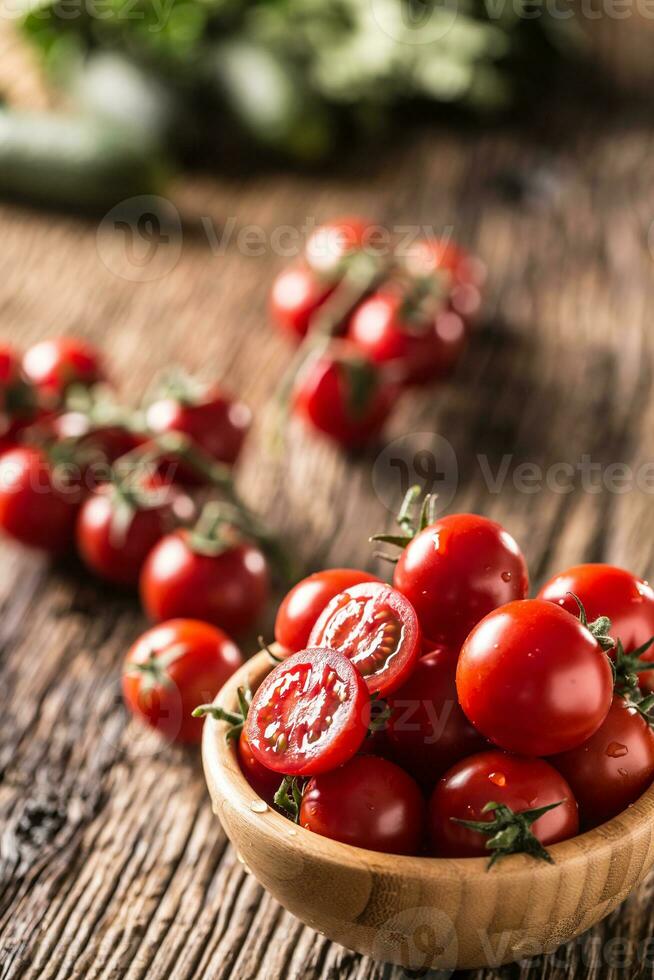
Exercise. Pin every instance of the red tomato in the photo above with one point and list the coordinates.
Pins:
(217, 423)
(423, 350)
(172, 669)
(432, 255)
(54, 365)
(427, 731)
(332, 242)
(533, 680)
(116, 533)
(605, 590)
(17, 398)
(265, 782)
(342, 394)
(368, 802)
(306, 600)
(38, 504)
(456, 571)
(519, 783)
(111, 441)
(309, 715)
(297, 293)
(229, 589)
(374, 627)
(613, 768)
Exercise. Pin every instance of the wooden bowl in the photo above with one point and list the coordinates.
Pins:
(425, 912)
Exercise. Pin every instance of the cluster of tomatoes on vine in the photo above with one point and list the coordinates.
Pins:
(370, 319)
(145, 497)
(448, 713)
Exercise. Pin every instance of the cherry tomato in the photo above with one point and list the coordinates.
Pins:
(116, 531)
(377, 629)
(428, 256)
(172, 669)
(456, 571)
(613, 768)
(496, 777)
(334, 241)
(605, 590)
(110, 441)
(38, 503)
(309, 715)
(368, 802)
(229, 588)
(533, 680)
(265, 782)
(217, 423)
(423, 349)
(54, 365)
(297, 293)
(342, 394)
(304, 603)
(17, 398)
(427, 731)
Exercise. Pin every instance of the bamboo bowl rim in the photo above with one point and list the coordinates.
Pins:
(226, 781)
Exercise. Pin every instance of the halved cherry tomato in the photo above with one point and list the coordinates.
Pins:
(309, 715)
(265, 782)
(456, 571)
(613, 768)
(422, 347)
(54, 365)
(216, 422)
(427, 731)
(343, 395)
(377, 629)
(368, 802)
(605, 590)
(38, 501)
(173, 668)
(533, 680)
(228, 588)
(497, 777)
(304, 603)
(297, 294)
(117, 530)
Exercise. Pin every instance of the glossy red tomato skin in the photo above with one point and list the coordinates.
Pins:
(533, 680)
(518, 782)
(421, 353)
(265, 782)
(613, 768)
(370, 803)
(207, 661)
(364, 619)
(427, 731)
(456, 571)
(229, 590)
(111, 442)
(54, 365)
(606, 590)
(116, 553)
(218, 424)
(296, 296)
(322, 398)
(301, 606)
(37, 507)
(333, 241)
(309, 715)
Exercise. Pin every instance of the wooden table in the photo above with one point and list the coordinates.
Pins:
(112, 863)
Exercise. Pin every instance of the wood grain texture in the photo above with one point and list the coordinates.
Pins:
(112, 864)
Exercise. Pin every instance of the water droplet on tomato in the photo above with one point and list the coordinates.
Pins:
(506, 576)
(498, 778)
(616, 750)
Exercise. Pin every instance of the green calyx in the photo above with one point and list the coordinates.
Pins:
(154, 671)
(288, 797)
(235, 719)
(510, 832)
(599, 628)
(627, 667)
(380, 714)
(179, 386)
(413, 517)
